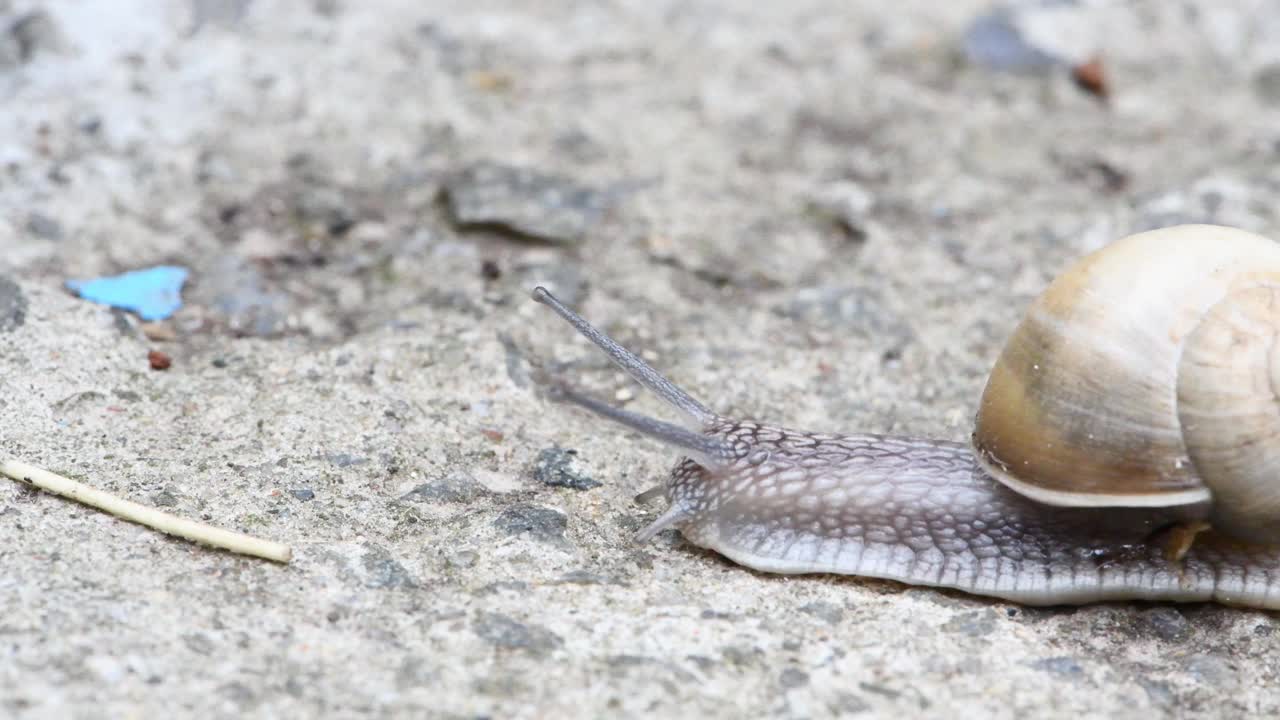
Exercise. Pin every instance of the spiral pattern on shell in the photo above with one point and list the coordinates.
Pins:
(1146, 376)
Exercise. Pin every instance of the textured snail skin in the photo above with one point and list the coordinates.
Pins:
(925, 513)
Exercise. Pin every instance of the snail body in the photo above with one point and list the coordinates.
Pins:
(1126, 446)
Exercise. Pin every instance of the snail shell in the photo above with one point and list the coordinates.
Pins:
(1146, 376)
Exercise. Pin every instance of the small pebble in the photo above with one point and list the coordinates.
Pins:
(159, 331)
(554, 467)
(31, 34)
(159, 360)
(164, 498)
(456, 487)
(524, 201)
(382, 571)
(463, 559)
(829, 612)
(1165, 623)
(1092, 78)
(976, 623)
(507, 633)
(1059, 666)
(1266, 83)
(345, 460)
(304, 494)
(793, 678)
(13, 305)
(44, 227)
(846, 203)
(537, 522)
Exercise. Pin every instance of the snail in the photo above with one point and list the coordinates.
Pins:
(1125, 447)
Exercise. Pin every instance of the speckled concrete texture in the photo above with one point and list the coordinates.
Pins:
(815, 213)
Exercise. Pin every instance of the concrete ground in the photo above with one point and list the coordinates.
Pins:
(819, 213)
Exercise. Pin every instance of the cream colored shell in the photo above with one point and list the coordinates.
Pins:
(1146, 375)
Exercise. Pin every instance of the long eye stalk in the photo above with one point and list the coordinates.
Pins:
(706, 450)
(637, 368)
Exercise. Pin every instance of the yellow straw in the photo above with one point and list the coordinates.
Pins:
(143, 515)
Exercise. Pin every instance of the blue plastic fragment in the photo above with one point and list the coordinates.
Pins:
(994, 40)
(154, 293)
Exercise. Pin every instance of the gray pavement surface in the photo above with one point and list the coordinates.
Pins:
(823, 214)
